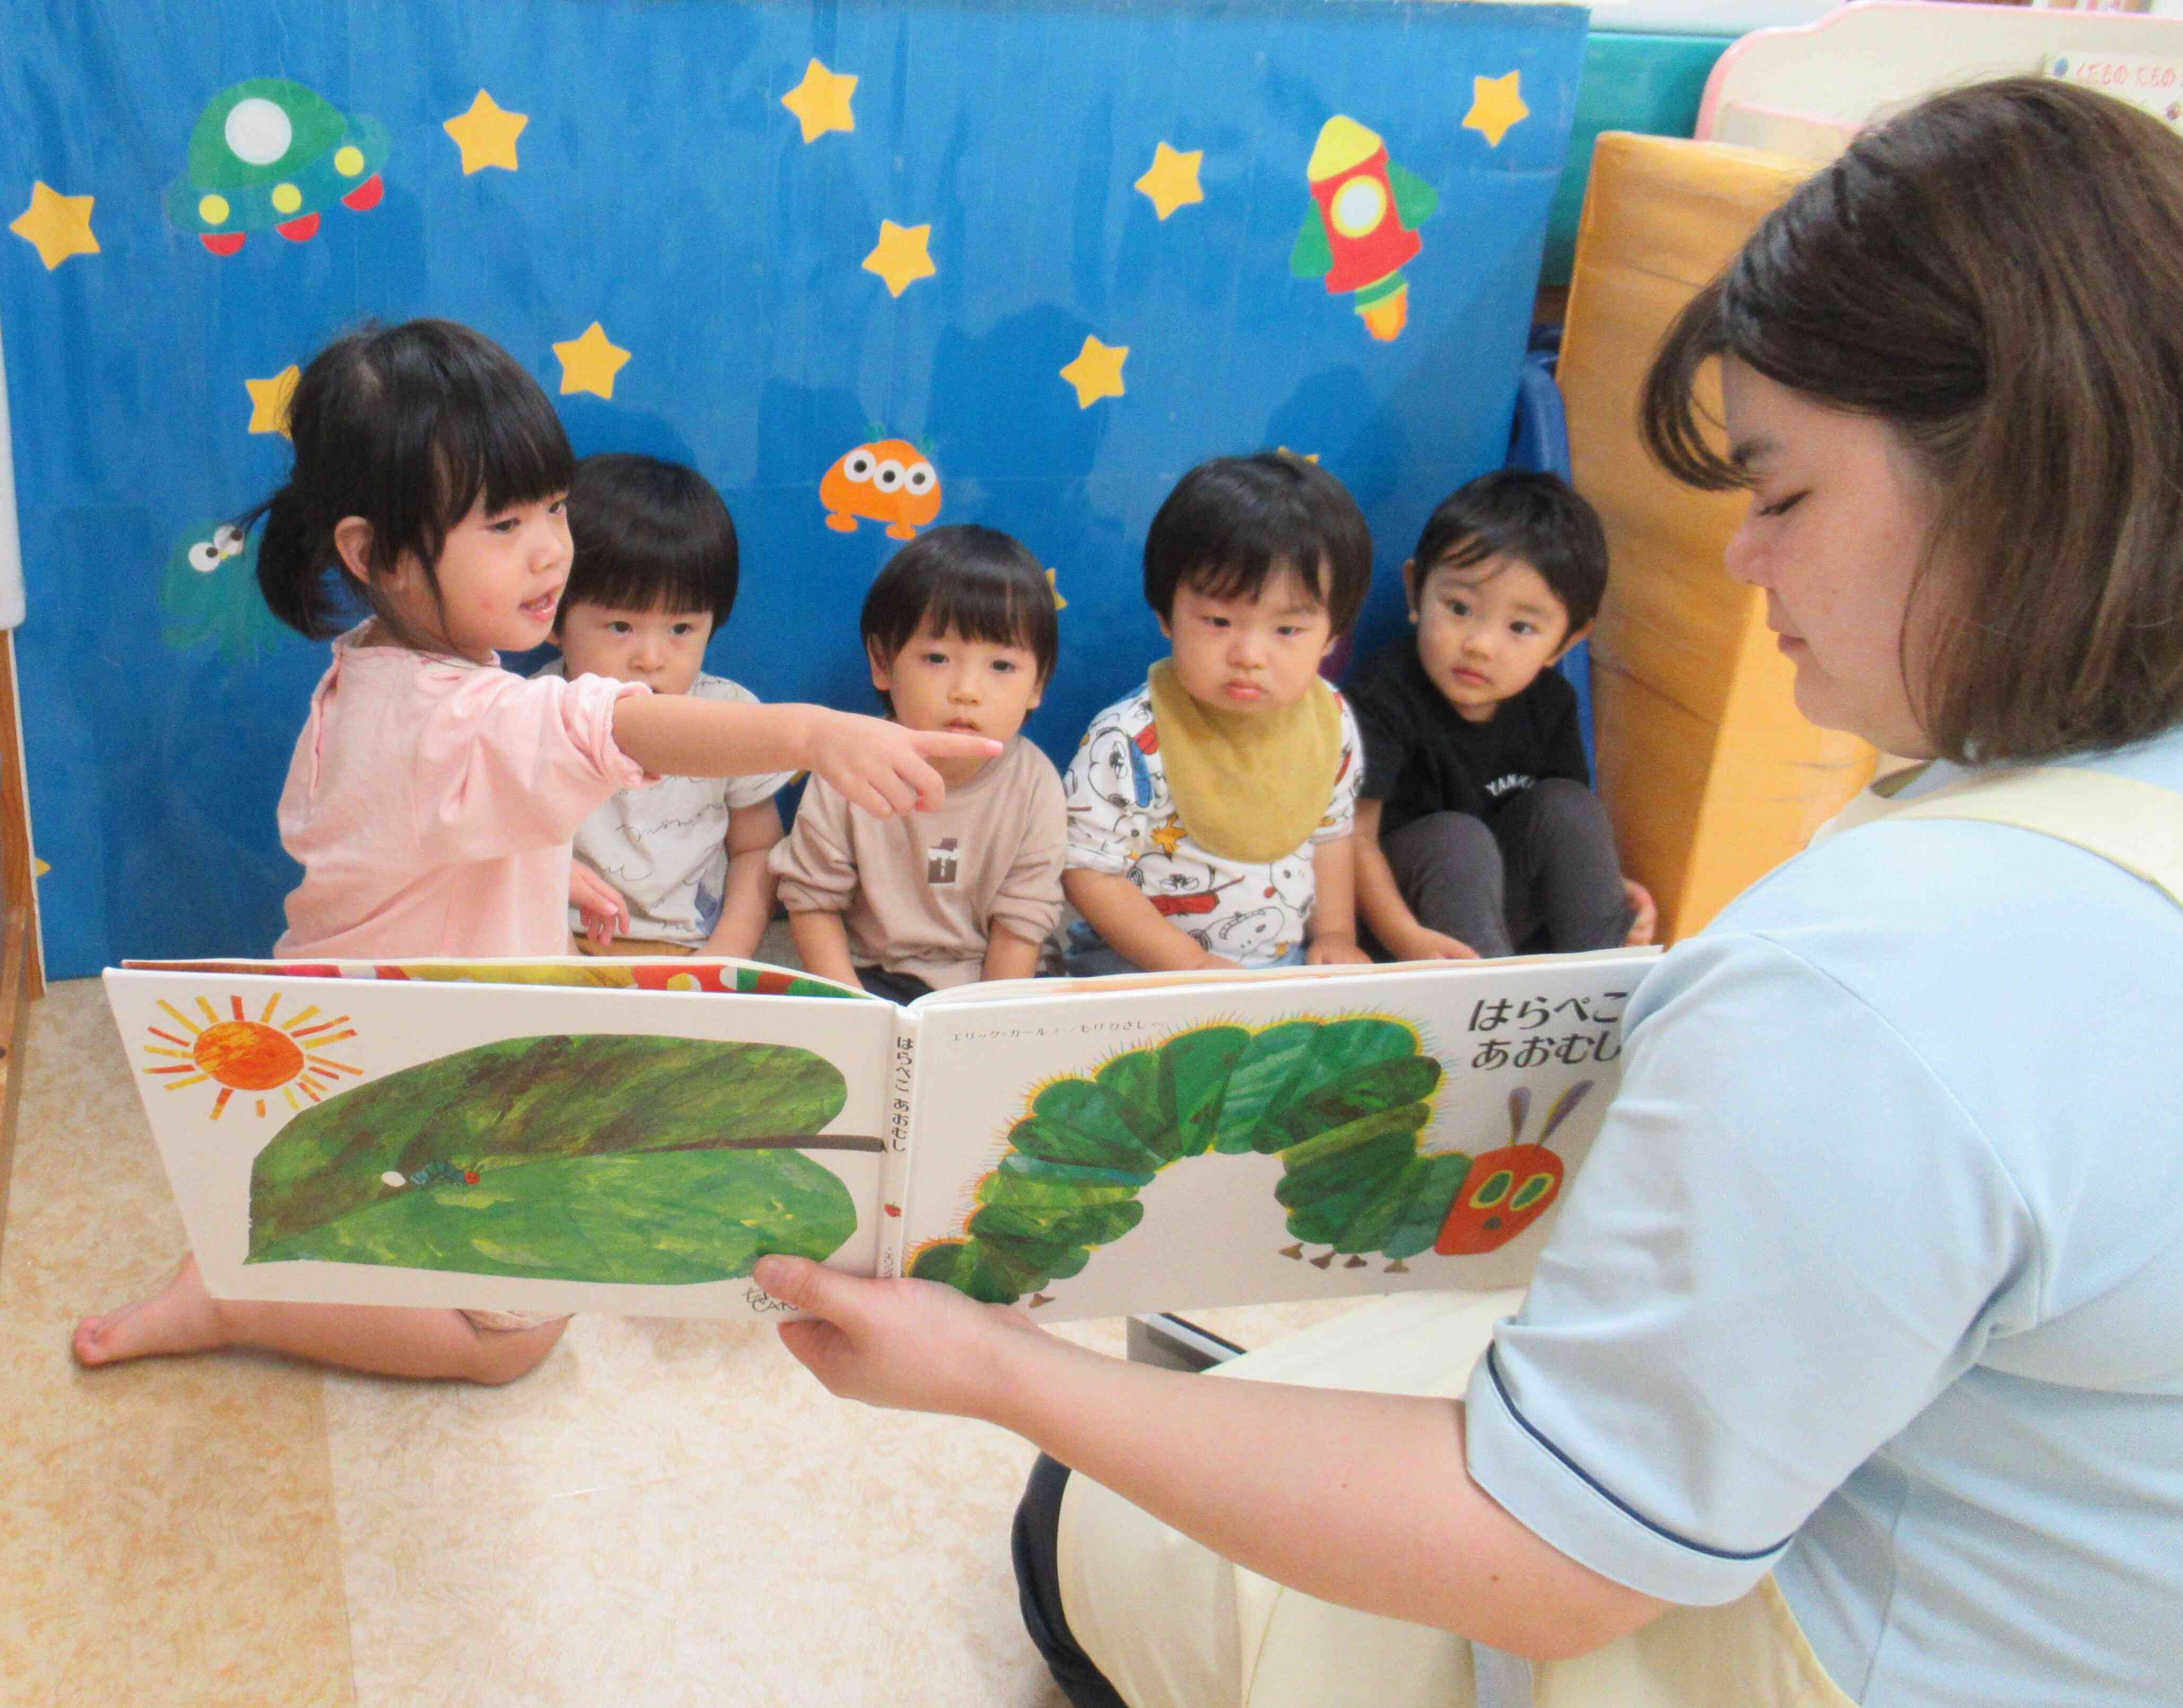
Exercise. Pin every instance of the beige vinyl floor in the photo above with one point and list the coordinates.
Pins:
(663, 1513)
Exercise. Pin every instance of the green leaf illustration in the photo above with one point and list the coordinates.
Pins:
(492, 1136)
(667, 1219)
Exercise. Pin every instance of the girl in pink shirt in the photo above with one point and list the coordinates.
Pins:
(433, 796)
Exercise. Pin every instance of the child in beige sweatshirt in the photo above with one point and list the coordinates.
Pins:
(960, 635)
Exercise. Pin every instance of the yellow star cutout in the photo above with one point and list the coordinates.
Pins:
(820, 102)
(1054, 588)
(902, 258)
(1170, 835)
(1096, 372)
(486, 135)
(1305, 456)
(270, 400)
(589, 363)
(1496, 107)
(57, 226)
(1171, 182)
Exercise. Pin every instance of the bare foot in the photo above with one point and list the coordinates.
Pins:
(179, 1317)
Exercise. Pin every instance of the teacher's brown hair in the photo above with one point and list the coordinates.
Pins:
(1997, 275)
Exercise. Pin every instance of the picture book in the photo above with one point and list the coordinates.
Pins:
(2151, 81)
(631, 1136)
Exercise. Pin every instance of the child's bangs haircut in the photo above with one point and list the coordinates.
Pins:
(1534, 518)
(408, 427)
(1997, 275)
(978, 583)
(650, 536)
(1231, 525)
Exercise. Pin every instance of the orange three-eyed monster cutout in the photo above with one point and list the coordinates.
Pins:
(889, 481)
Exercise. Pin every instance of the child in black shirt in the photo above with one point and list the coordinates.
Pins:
(1477, 830)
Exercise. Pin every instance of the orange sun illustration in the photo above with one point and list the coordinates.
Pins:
(266, 1054)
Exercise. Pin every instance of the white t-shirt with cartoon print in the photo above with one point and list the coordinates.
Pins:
(665, 847)
(1122, 819)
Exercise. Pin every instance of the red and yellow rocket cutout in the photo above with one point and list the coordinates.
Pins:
(1364, 231)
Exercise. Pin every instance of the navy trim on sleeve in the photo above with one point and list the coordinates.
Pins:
(1501, 1387)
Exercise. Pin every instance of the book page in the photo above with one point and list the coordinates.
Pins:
(1098, 1147)
(402, 1134)
(720, 974)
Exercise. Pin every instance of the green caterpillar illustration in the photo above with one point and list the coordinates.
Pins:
(1343, 1103)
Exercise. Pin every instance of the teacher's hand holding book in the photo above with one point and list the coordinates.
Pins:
(912, 1345)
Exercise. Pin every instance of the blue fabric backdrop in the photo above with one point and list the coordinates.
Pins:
(660, 188)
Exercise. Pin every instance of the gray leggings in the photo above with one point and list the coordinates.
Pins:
(1543, 876)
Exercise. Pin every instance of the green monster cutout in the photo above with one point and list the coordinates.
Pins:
(208, 595)
(659, 1160)
(1342, 1102)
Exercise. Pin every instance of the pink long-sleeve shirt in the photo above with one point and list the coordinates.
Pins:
(432, 801)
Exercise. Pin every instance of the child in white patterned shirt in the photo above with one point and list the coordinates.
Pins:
(1209, 811)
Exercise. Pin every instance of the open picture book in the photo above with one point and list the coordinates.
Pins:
(630, 1137)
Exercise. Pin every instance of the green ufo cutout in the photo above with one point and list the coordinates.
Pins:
(270, 154)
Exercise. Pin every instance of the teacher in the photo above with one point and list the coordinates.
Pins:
(1853, 1370)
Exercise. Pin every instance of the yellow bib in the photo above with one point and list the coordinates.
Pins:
(1247, 786)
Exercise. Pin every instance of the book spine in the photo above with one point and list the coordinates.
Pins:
(901, 1124)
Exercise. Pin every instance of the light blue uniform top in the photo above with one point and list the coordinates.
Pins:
(1875, 1277)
